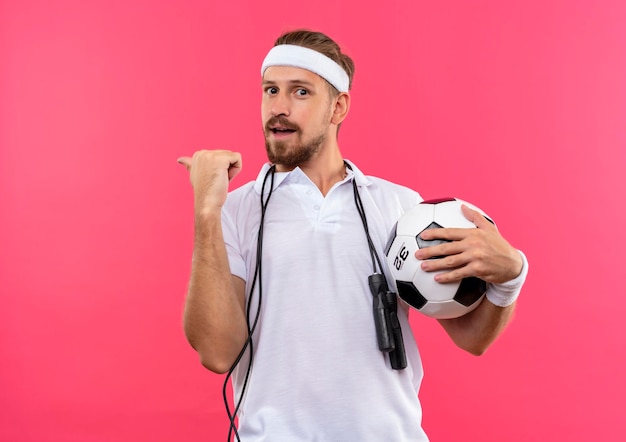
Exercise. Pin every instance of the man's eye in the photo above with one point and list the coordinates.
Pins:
(271, 90)
(302, 92)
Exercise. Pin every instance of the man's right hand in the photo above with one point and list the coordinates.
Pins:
(210, 171)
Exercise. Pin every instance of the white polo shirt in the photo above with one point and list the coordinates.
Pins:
(317, 373)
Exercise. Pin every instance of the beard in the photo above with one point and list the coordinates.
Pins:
(294, 152)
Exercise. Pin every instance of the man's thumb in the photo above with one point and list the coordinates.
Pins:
(185, 161)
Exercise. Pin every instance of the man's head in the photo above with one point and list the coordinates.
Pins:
(306, 83)
(320, 43)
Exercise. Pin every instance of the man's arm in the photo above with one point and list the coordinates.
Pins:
(477, 330)
(214, 316)
(483, 253)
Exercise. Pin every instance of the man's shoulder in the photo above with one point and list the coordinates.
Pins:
(242, 191)
(240, 197)
(385, 187)
(385, 183)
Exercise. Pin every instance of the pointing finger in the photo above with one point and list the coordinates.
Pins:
(185, 161)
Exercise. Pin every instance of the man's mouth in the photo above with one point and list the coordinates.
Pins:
(280, 126)
(281, 130)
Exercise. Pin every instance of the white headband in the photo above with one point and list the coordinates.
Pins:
(309, 59)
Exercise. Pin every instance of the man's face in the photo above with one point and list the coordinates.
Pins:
(296, 112)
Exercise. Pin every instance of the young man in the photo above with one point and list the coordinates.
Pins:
(316, 371)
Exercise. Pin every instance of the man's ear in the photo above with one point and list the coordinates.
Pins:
(340, 108)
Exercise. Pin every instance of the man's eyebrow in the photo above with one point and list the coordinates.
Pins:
(291, 82)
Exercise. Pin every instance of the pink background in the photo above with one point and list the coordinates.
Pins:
(518, 107)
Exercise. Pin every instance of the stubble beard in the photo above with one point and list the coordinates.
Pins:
(292, 155)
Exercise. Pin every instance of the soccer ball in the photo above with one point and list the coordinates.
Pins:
(417, 287)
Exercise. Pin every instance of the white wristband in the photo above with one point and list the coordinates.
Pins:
(506, 293)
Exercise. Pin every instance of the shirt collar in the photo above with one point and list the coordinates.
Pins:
(279, 177)
(360, 178)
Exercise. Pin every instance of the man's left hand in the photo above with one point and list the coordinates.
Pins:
(481, 252)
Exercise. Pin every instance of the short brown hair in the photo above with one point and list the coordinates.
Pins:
(321, 43)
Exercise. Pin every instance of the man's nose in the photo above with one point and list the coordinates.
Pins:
(280, 105)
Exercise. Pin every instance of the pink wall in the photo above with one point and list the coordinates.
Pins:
(520, 109)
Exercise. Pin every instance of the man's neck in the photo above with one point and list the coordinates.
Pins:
(325, 170)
